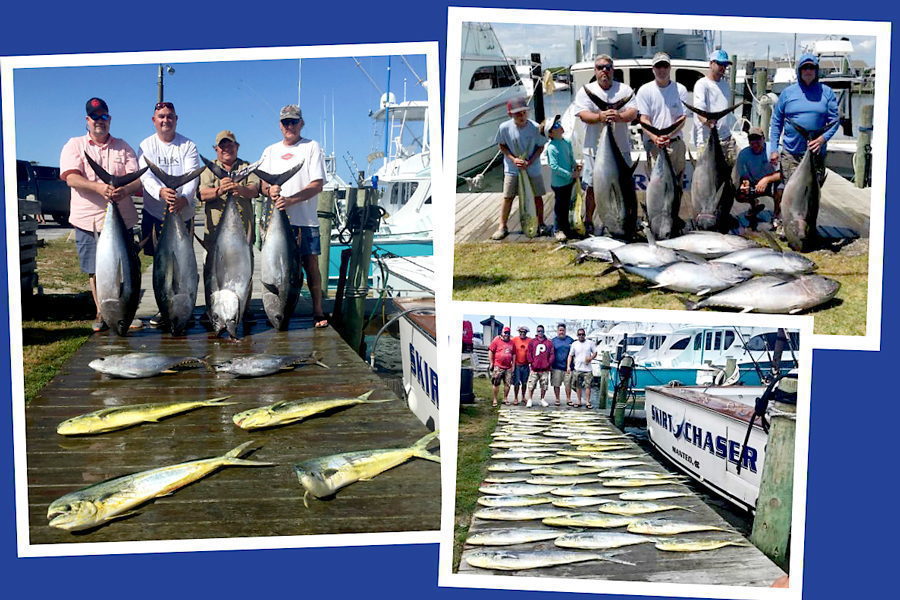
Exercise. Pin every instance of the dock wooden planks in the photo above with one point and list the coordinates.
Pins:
(235, 501)
(731, 565)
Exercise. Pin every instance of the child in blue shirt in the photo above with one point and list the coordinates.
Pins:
(564, 172)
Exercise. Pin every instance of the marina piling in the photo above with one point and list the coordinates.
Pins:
(760, 81)
(326, 219)
(604, 380)
(363, 226)
(862, 159)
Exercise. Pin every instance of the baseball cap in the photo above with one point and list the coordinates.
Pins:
(291, 111)
(661, 57)
(719, 56)
(225, 134)
(549, 125)
(756, 131)
(516, 105)
(95, 105)
(523, 328)
(506, 330)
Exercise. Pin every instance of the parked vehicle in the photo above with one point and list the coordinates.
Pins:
(47, 188)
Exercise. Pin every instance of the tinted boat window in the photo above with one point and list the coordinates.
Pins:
(681, 344)
(687, 78)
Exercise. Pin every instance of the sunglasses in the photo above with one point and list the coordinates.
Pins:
(290, 122)
(755, 138)
(160, 105)
(96, 117)
(226, 143)
(603, 67)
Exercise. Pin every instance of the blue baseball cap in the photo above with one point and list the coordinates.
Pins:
(719, 56)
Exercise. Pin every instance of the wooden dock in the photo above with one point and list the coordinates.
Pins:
(264, 501)
(731, 565)
(843, 206)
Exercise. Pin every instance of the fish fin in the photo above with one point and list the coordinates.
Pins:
(280, 178)
(168, 371)
(243, 462)
(306, 499)
(366, 396)
(747, 309)
(656, 286)
(239, 450)
(610, 557)
(689, 304)
(651, 239)
(123, 180)
(601, 104)
(796, 311)
(219, 401)
(420, 450)
(704, 292)
(771, 242)
(713, 115)
(687, 509)
(330, 473)
(125, 515)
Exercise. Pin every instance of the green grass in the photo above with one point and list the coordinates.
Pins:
(531, 273)
(476, 423)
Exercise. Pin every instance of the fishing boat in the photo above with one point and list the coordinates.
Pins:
(487, 81)
(710, 434)
(403, 276)
(418, 349)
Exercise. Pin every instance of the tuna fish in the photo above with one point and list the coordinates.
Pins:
(600, 540)
(712, 187)
(291, 411)
(323, 477)
(596, 248)
(120, 417)
(616, 201)
(664, 191)
(692, 278)
(114, 498)
(773, 294)
(708, 244)
(260, 365)
(137, 365)
(518, 561)
(801, 197)
(175, 275)
(768, 261)
(511, 536)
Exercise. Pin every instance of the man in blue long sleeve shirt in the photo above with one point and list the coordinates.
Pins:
(810, 104)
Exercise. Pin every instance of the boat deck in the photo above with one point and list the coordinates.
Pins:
(731, 565)
(264, 501)
(844, 212)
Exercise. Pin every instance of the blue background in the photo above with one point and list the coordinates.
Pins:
(851, 528)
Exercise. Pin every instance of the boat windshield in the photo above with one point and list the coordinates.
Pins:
(493, 77)
(766, 341)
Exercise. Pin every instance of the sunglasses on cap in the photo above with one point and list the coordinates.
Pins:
(160, 105)
(96, 117)
(603, 67)
(290, 122)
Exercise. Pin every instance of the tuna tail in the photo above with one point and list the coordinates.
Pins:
(771, 242)
(689, 304)
(811, 134)
(173, 181)
(616, 264)
(712, 115)
(113, 180)
(280, 178)
(242, 174)
(664, 130)
(420, 448)
(232, 457)
(216, 169)
(603, 104)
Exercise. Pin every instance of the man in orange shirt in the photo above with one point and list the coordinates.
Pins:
(522, 370)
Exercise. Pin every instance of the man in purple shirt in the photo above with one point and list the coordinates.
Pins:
(540, 359)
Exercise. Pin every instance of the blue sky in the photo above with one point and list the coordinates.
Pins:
(244, 96)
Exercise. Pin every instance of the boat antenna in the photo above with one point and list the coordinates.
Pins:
(299, 78)
(419, 80)
(369, 77)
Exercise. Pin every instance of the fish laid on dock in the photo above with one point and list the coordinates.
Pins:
(507, 501)
(590, 520)
(668, 527)
(547, 460)
(517, 561)
(708, 244)
(324, 476)
(651, 495)
(120, 417)
(697, 545)
(520, 513)
(511, 536)
(291, 411)
(515, 489)
(137, 365)
(260, 365)
(600, 540)
(564, 470)
(692, 278)
(509, 467)
(780, 294)
(507, 477)
(627, 508)
(580, 501)
(591, 489)
(114, 498)
(561, 479)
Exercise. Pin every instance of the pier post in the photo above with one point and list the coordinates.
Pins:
(326, 219)
(538, 94)
(772, 525)
(733, 78)
(760, 81)
(363, 226)
(619, 407)
(604, 380)
(862, 168)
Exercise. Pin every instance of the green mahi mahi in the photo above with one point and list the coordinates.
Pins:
(291, 411)
(120, 417)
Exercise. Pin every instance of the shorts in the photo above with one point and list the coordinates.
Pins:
(520, 375)
(86, 244)
(676, 152)
(789, 163)
(511, 185)
(582, 380)
(560, 377)
(149, 224)
(541, 378)
(307, 240)
(499, 376)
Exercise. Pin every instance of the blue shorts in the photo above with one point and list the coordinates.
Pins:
(520, 375)
(149, 224)
(86, 244)
(307, 240)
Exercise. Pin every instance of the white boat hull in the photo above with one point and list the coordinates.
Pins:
(420, 369)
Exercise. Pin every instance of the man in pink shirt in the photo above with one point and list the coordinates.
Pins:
(90, 195)
(540, 359)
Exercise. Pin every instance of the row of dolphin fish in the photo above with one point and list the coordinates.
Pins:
(138, 365)
(721, 267)
(227, 272)
(322, 477)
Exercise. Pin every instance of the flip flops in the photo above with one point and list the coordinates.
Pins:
(320, 321)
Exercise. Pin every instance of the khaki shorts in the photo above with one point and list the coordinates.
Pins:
(536, 378)
(560, 377)
(499, 376)
(511, 185)
(676, 153)
(789, 164)
(582, 380)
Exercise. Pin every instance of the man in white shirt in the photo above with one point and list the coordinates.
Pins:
(595, 119)
(660, 104)
(713, 94)
(581, 353)
(297, 196)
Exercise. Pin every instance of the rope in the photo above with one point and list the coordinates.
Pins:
(774, 412)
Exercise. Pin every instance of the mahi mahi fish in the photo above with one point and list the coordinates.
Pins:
(259, 365)
(120, 417)
(520, 513)
(118, 268)
(712, 188)
(668, 527)
(114, 498)
(612, 181)
(638, 508)
(137, 365)
(323, 477)
(280, 272)
(514, 489)
(510, 536)
(697, 545)
(590, 520)
(507, 501)
(175, 276)
(664, 190)
(600, 540)
(782, 294)
(291, 411)
(802, 194)
(516, 561)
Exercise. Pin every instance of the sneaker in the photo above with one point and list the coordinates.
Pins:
(158, 321)
(544, 403)
(528, 404)
(542, 230)
(136, 324)
(589, 228)
(99, 325)
(560, 236)
(500, 234)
